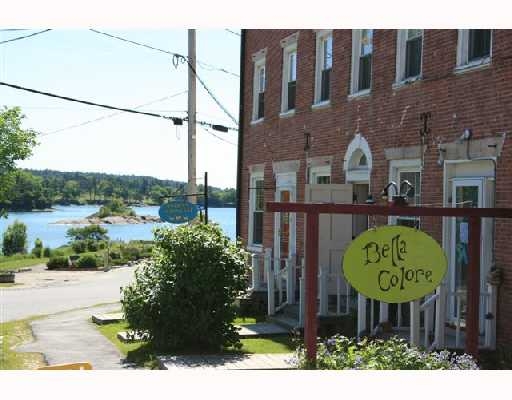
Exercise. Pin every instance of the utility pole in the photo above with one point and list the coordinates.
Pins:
(191, 187)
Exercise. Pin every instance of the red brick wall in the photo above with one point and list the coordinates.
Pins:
(479, 99)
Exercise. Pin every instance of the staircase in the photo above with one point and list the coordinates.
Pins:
(287, 318)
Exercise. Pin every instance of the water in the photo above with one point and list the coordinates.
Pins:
(41, 224)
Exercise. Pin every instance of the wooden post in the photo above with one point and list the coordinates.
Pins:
(475, 227)
(270, 282)
(310, 323)
(415, 323)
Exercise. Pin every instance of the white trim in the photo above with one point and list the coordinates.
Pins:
(463, 64)
(395, 168)
(254, 176)
(401, 50)
(316, 171)
(287, 114)
(357, 175)
(285, 181)
(259, 63)
(321, 36)
(354, 76)
(288, 49)
(360, 94)
(321, 105)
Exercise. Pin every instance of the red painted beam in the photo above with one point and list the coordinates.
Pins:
(310, 323)
(472, 328)
(365, 209)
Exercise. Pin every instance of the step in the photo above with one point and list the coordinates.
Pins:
(284, 321)
(261, 329)
(109, 318)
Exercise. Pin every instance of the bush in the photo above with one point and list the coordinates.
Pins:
(340, 352)
(89, 232)
(79, 246)
(87, 261)
(37, 251)
(47, 252)
(115, 255)
(92, 245)
(184, 296)
(15, 239)
(57, 262)
(131, 253)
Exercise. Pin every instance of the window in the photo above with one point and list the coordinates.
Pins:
(407, 170)
(320, 174)
(259, 85)
(256, 207)
(288, 92)
(362, 50)
(409, 54)
(474, 47)
(323, 66)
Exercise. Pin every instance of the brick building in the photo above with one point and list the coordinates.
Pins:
(334, 115)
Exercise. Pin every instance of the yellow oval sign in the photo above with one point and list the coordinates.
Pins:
(394, 264)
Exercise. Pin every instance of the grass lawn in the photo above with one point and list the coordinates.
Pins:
(14, 263)
(2, 285)
(12, 334)
(142, 354)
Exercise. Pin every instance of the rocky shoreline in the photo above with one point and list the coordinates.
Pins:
(113, 220)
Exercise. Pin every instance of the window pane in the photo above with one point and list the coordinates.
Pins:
(292, 73)
(479, 43)
(365, 72)
(257, 227)
(413, 57)
(291, 95)
(261, 104)
(261, 76)
(323, 180)
(259, 193)
(414, 33)
(366, 42)
(327, 53)
(326, 79)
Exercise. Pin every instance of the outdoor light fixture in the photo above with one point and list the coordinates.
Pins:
(442, 151)
(466, 134)
(400, 197)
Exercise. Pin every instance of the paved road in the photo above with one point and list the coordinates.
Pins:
(19, 303)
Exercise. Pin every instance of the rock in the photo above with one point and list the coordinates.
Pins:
(113, 220)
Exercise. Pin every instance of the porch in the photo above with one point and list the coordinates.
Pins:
(437, 321)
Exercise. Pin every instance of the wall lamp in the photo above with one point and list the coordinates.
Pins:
(400, 197)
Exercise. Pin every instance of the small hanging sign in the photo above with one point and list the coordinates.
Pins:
(394, 264)
(178, 211)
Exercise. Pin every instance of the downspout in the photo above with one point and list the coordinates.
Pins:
(240, 133)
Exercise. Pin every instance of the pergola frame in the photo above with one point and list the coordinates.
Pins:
(313, 212)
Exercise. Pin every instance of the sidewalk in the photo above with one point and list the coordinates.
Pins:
(71, 337)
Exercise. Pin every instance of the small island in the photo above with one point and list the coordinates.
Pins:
(114, 212)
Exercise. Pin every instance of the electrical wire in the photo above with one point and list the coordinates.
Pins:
(233, 32)
(177, 59)
(218, 137)
(200, 63)
(109, 115)
(25, 37)
(175, 120)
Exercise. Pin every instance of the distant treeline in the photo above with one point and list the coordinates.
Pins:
(34, 189)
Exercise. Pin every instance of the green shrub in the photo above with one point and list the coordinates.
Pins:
(184, 296)
(340, 352)
(131, 253)
(87, 261)
(89, 232)
(57, 252)
(37, 251)
(57, 262)
(92, 245)
(115, 255)
(15, 239)
(47, 252)
(79, 246)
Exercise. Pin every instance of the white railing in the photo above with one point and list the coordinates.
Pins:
(258, 274)
(281, 276)
(342, 292)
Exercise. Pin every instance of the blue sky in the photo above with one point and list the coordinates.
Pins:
(86, 65)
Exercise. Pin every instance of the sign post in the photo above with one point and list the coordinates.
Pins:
(313, 211)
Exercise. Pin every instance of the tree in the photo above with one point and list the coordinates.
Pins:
(71, 190)
(89, 232)
(15, 239)
(183, 299)
(16, 144)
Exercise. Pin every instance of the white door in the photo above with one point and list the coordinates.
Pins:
(335, 230)
(284, 226)
(466, 193)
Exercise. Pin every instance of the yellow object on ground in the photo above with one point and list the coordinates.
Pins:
(78, 366)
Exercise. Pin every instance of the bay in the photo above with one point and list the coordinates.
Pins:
(41, 224)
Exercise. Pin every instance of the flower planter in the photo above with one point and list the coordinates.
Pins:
(7, 277)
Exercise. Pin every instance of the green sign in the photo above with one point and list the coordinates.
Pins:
(394, 264)
(178, 211)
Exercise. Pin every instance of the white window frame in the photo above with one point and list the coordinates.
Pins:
(401, 50)
(395, 168)
(254, 176)
(259, 59)
(289, 46)
(356, 54)
(463, 52)
(321, 37)
(317, 171)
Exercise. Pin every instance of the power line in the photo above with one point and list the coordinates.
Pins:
(218, 137)
(177, 58)
(25, 37)
(109, 115)
(175, 120)
(201, 63)
(233, 32)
